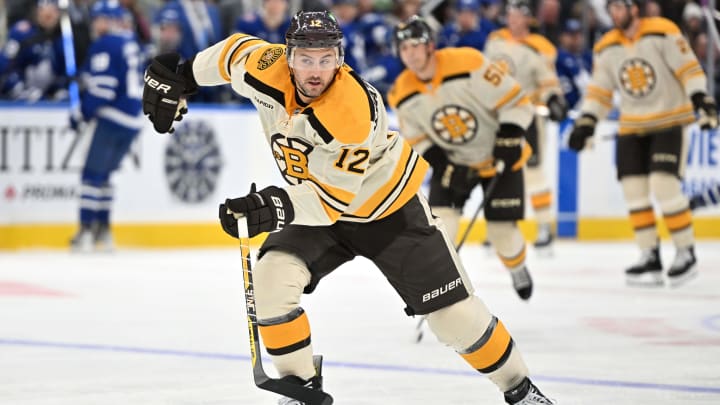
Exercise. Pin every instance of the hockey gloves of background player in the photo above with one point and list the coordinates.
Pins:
(509, 146)
(457, 178)
(557, 107)
(706, 110)
(266, 210)
(584, 128)
(167, 83)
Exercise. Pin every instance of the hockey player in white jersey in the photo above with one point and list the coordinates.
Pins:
(530, 59)
(661, 86)
(353, 190)
(462, 135)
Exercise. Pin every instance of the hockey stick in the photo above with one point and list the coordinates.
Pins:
(69, 55)
(499, 168)
(262, 380)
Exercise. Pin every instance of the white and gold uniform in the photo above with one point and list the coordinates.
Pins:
(338, 156)
(461, 110)
(655, 74)
(354, 190)
(531, 61)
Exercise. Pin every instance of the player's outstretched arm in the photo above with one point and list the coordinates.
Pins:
(167, 82)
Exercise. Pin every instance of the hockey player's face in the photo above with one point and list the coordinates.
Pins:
(620, 14)
(313, 69)
(415, 54)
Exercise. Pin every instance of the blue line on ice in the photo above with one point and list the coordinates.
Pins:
(358, 366)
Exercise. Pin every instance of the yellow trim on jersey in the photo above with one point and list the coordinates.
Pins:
(537, 42)
(599, 94)
(222, 60)
(411, 187)
(648, 26)
(509, 96)
(386, 189)
(450, 62)
(344, 109)
(687, 67)
(631, 124)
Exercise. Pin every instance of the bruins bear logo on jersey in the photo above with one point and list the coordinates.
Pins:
(455, 124)
(637, 77)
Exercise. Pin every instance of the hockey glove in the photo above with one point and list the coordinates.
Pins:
(509, 146)
(584, 129)
(437, 158)
(558, 108)
(459, 179)
(266, 210)
(706, 110)
(167, 83)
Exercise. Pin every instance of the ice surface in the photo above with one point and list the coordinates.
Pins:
(168, 327)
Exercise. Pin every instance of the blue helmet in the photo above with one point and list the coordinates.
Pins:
(109, 9)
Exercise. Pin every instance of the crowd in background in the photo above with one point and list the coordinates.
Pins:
(32, 61)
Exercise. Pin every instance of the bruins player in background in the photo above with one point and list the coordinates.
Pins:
(530, 59)
(463, 113)
(661, 86)
(353, 190)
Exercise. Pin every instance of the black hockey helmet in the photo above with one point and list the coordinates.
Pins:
(314, 29)
(522, 5)
(628, 3)
(413, 28)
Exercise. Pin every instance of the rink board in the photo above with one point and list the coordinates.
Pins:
(168, 188)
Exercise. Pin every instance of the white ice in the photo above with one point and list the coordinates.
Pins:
(168, 327)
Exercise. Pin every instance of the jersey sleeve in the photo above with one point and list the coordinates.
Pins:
(100, 78)
(218, 64)
(502, 94)
(599, 92)
(682, 61)
(547, 77)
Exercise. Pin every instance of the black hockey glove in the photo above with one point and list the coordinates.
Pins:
(437, 158)
(706, 110)
(459, 179)
(584, 129)
(508, 145)
(167, 83)
(266, 210)
(558, 108)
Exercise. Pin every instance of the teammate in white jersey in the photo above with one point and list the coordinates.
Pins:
(462, 134)
(661, 85)
(530, 59)
(353, 191)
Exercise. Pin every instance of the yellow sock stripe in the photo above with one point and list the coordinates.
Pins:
(642, 218)
(678, 221)
(542, 199)
(287, 336)
(491, 350)
(512, 262)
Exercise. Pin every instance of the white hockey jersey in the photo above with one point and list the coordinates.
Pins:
(336, 152)
(655, 73)
(530, 60)
(461, 108)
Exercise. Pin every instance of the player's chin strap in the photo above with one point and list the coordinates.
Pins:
(302, 393)
(499, 169)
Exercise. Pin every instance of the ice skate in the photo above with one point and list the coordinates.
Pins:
(684, 267)
(647, 272)
(103, 239)
(83, 241)
(522, 282)
(526, 393)
(544, 242)
(314, 383)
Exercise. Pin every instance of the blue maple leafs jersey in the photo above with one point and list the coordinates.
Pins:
(112, 80)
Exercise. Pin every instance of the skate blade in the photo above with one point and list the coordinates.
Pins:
(677, 281)
(645, 280)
